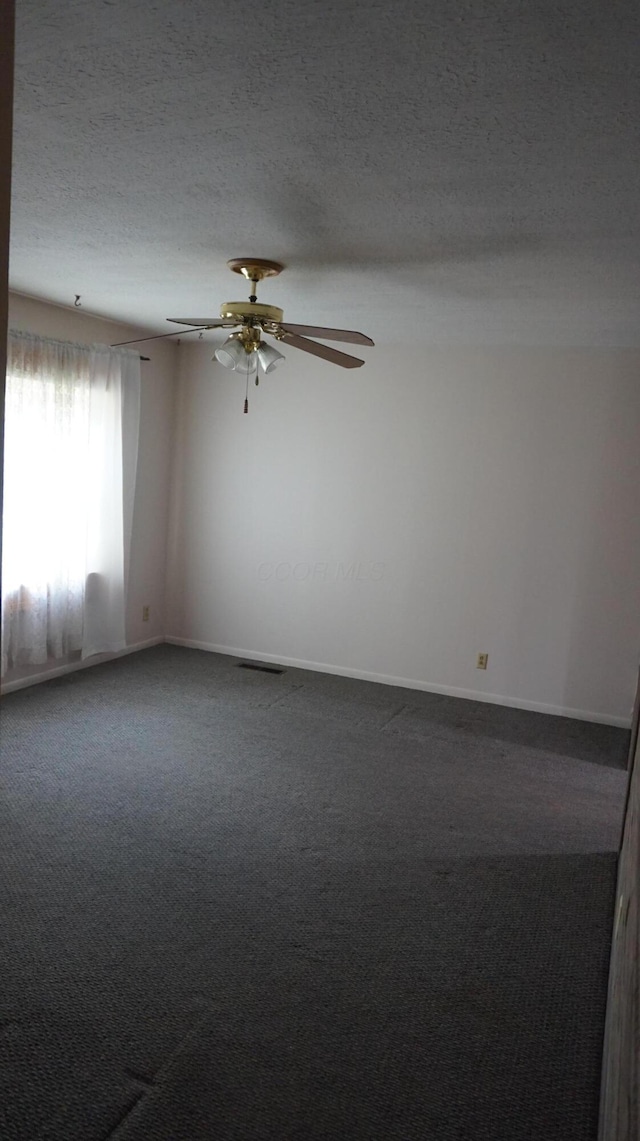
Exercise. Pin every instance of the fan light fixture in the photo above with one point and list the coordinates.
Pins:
(244, 357)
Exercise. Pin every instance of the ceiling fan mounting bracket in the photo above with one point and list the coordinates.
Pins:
(255, 269)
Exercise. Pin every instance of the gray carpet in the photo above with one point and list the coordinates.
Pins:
(243, 905)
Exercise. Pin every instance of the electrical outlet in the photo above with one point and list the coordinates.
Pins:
(481, 663)
(145, 613)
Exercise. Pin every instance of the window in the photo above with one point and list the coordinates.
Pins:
(71, 431)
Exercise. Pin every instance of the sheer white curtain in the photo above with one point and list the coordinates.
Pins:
(71, 432)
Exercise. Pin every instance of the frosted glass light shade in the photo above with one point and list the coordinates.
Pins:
(231, 353)
(268, 356)
(247, 364)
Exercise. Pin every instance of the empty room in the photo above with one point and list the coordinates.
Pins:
(320, 602)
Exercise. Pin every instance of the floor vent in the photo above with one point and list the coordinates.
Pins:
(262, 668)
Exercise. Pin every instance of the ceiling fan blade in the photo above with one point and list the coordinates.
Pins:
(328, 334)
(160, 336)
(323, 351)
(204, 322)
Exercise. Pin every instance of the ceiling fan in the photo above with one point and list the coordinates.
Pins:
(244, 351)
(254, 316)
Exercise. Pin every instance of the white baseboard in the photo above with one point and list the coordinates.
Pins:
(408, 683)
(71, 667)
(323, 667)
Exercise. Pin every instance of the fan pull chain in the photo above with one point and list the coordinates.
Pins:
(246, 398)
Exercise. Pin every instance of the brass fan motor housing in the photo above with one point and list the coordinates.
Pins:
(244, 311)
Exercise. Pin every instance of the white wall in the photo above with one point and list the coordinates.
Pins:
(148, 545)
(397, 520)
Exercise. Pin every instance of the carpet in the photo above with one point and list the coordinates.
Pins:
(296, 906)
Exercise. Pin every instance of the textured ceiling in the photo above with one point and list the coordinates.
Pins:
(467, 169)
